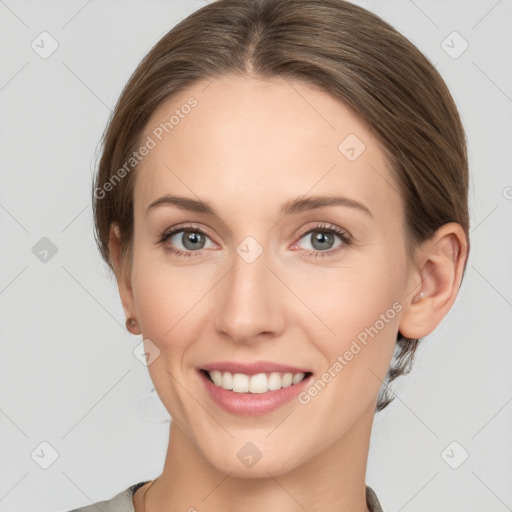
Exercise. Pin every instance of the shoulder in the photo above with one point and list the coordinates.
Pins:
(372, 501)
(121, 502)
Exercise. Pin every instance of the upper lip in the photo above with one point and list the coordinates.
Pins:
(252, 368)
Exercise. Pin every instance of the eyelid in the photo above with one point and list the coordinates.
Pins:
(188, 227)
(319, 225)
(303, 231)
(344, 235)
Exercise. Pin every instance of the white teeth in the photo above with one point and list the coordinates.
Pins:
(258, 383)
(297, 378)
(274, 381)
(240, 383)
(287, 380)
(216, 377)
(227, 381)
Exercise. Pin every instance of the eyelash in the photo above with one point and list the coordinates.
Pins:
(343, 235)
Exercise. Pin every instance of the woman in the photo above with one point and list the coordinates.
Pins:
(282, 197)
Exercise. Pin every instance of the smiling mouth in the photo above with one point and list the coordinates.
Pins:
(256, 383)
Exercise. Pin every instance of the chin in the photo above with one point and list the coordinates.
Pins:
(246, 460)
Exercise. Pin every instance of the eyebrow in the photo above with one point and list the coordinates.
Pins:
(288, 208)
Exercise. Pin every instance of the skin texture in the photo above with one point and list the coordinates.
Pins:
(247, 147)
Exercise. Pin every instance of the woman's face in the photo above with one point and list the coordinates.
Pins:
(261, 275)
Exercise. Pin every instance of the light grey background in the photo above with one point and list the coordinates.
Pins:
(68, 376)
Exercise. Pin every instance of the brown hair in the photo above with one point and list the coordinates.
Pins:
(337, 46)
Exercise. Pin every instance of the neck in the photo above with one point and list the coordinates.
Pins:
(332, 481)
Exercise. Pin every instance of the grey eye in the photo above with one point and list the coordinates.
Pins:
(191, 240)
(320, 240)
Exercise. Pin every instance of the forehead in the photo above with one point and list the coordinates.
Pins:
(260, 142)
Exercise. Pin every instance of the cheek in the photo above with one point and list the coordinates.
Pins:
(348, 299)
(336, 304)
(167, 301)
(170, 301)
(356, 357)
(164, 303)
(357, 311)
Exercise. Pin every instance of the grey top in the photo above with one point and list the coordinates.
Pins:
(123, 502)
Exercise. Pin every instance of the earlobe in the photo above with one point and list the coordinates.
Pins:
(434, 281)
(123, 279)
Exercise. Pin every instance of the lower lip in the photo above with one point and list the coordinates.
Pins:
(252, 404)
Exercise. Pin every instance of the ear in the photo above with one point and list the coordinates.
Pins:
(434, 281)
(123, 277)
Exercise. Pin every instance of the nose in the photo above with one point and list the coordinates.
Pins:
(250, 306)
